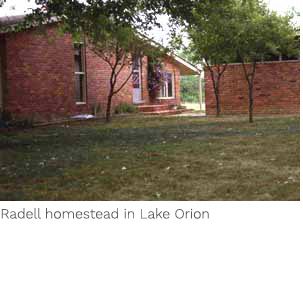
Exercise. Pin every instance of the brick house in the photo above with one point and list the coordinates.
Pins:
(46, 76)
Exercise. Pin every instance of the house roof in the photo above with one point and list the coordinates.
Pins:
(11, 20)
(186, 68)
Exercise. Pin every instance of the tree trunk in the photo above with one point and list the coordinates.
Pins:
(250, 78)
(216, 77)
(218, 104)
(109, 105)
(251, 103)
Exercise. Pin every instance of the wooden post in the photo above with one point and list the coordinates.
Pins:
(201, 90)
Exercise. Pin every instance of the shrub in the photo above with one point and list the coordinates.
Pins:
(190, 89)
(126, 108)
(181, 107)
(7, 120)
(96, 109)
(5, 116)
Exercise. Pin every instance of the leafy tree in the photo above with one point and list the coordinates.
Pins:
(239, 30)
(118, 48)
(211, 36)
(189, 88)
(189, 84)
(140, 14)
(118, 51)
(261, 33)
(111, 28)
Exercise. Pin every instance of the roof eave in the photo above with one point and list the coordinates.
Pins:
(186, 68)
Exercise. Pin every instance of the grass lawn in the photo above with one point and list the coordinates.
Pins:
(143, 158)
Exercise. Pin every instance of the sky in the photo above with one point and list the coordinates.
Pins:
(17, 7)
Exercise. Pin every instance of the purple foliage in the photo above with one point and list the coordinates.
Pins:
(156, 76)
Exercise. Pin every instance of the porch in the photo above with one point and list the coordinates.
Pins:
(167, 98)
(161, 109)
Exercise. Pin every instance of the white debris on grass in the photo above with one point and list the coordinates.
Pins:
(83, 116)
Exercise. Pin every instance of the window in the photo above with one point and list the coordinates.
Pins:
(1, 88)
(80, 75)
(2, 52)
(167, 89)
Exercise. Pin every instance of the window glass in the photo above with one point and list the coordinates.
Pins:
(136, 63)
(167, 89)
(79, 72)
(169, 80)
(78, 59)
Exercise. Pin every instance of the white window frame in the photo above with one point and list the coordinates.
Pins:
(82, 73)
(161, 96)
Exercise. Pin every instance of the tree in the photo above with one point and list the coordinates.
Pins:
(118, 51)
(140, 14)
(211, 34)
(261, 33)
(119, 48)
(114, 29)
(111, 28)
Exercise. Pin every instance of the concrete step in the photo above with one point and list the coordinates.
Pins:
(167, 112)
(153, 108)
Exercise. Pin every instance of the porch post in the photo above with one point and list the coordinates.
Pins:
(201, 90)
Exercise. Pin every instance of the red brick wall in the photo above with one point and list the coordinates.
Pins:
(276, 90)
(98, 74)
(40, 77)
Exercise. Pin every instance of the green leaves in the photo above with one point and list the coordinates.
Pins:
(263, 33)
(223, 31)
(211, 31)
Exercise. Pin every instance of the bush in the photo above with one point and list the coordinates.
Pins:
(5, 116)
(126, 108)
(22, 124)
(96, 109)
(7, 121)
(181, 107)
(190, 89)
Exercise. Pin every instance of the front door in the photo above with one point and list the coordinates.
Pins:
(137, 82)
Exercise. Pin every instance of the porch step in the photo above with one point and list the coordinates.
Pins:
(167, 112)
(153, 108)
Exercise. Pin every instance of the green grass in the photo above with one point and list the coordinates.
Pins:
(136, 158)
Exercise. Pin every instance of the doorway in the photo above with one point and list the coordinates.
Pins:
(137, 81)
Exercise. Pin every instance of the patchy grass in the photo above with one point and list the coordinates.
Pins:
(176, 158)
